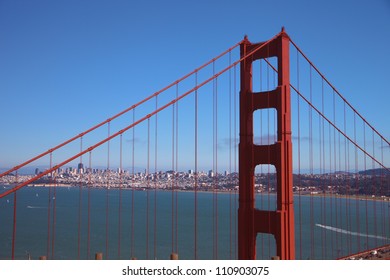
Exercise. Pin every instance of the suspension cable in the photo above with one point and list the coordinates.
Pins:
(108, 138)
(338, 93)
(120, 113)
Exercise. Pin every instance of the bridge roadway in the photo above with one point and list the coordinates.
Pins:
(381, 253)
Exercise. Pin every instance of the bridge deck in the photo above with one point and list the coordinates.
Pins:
(381, 253)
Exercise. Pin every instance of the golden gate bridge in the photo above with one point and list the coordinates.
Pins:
(294, 171)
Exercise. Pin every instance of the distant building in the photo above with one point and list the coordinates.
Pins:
(80, 168)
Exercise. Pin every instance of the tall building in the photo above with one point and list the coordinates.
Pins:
(80, 168)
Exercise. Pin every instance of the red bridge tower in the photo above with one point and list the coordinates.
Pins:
(279, 223)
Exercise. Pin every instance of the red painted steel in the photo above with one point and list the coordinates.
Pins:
(251, 221)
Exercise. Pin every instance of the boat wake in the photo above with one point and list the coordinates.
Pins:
(340, 230)
(35, 207)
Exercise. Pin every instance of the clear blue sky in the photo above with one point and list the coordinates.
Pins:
(66, 65)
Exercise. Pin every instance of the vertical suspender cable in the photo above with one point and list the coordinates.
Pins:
(196, 172)
(374, 191)
(235, 156)
(177, 173)
(107, 190)
(335, 168)
(120, 196)
(230, 156)
(269, 160)
(365, 184)
(347, 179)
(54, 216)
(344, 181)
(331, 171)
(323, 172)
(89, 206)
(132, 191)
(341, 181)
(147, 190)
(311, 165)
(173, 178)
(53, 198)
(155, 182)
(132, 253)
(213, 169)
(299, 162)
(52, 201)
(321, 202)
(216, 168)
(356, 183)
(49, 217)
(80, 171)
(261, 143)
(383, 192)
(14, 223)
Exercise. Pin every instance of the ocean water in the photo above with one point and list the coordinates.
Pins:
(151, 228)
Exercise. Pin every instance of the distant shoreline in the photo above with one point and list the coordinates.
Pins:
(354, 197)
